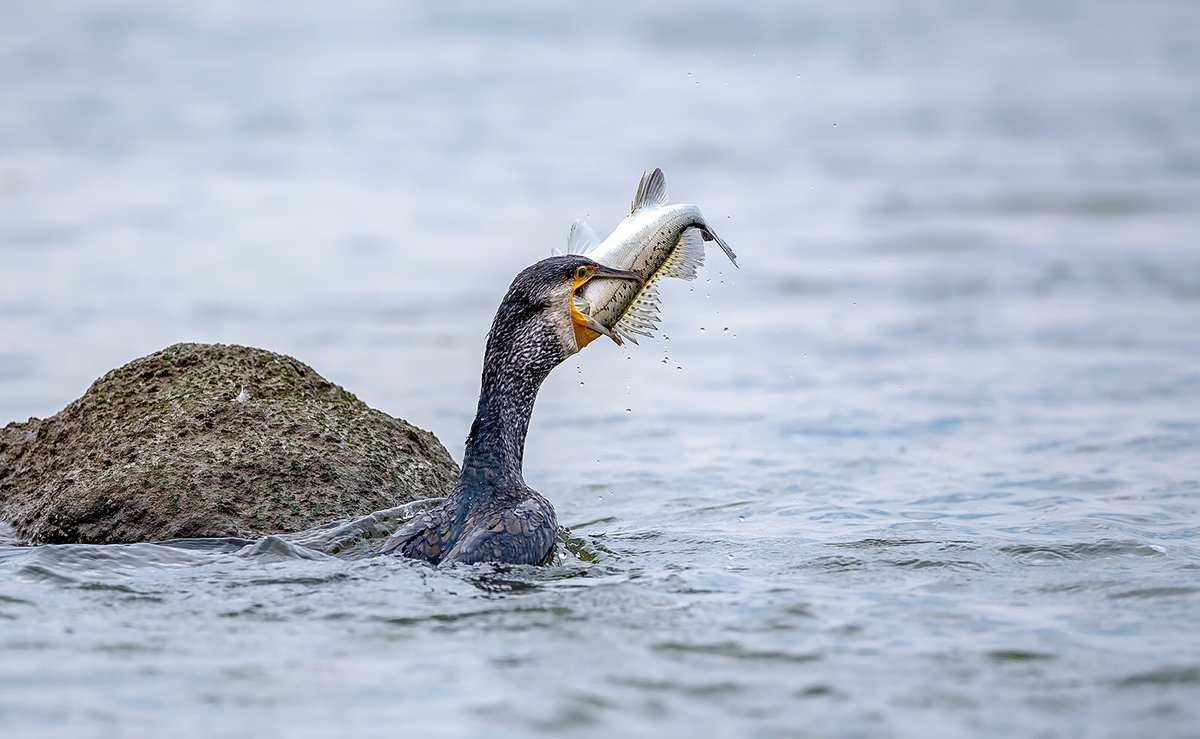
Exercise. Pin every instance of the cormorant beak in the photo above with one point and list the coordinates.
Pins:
(587, 328)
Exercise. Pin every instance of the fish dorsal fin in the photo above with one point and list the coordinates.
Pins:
(581, 239)
(651, 190)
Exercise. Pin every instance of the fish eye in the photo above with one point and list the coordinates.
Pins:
(582, 271)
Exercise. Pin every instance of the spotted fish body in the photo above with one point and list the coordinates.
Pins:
(656, 240)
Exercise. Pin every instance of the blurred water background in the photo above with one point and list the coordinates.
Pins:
(928, 464)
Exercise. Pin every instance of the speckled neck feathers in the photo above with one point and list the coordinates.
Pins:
(523, 346)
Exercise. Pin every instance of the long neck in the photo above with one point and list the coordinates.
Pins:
(496, 444)
(514, 366)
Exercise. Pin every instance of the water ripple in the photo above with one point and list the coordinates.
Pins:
(734, 650)
(1038, 554)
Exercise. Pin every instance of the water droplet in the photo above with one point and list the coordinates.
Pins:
(701, 328)
(628, 411)
(741, 518)
(725, 329)
(666, 338)
(679, 367)
(581, 383)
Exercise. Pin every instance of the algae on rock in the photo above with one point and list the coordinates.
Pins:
(210, 440)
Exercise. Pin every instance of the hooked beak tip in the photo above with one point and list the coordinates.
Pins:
(603, 330)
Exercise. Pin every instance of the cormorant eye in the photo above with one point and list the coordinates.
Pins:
(581, 272)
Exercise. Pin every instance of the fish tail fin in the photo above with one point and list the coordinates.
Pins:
(710, 235)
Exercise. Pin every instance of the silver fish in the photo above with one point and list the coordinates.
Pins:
(655, 240)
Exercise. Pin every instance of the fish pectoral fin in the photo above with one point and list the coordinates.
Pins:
(651, 190)
(581, 239)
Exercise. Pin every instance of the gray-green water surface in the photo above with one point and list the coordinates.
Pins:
(927, 465)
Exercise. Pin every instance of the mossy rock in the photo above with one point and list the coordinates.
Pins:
(168, 446)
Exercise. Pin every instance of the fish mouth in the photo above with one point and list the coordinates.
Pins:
(588, 329)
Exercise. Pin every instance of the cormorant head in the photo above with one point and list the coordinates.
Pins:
(540, 305)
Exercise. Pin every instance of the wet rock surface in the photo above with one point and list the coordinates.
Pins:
(210, 440)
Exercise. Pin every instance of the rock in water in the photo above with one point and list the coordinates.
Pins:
(210, 440)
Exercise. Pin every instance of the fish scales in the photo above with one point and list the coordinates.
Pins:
(656, 240)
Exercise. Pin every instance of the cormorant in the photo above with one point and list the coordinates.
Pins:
(492, 515)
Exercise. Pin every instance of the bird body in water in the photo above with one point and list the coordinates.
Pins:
(552, 310)
(492, 515)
